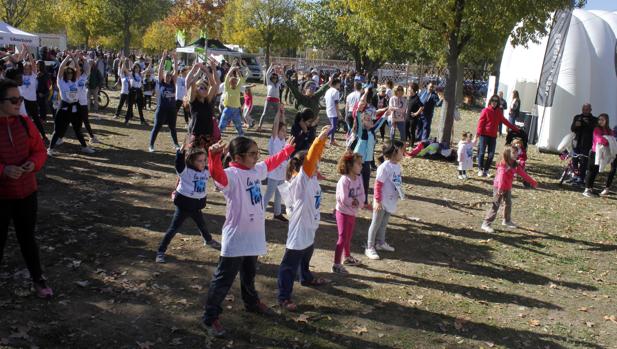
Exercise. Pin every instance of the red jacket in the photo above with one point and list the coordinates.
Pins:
(16, 147)
(505, 176)
(489, 122)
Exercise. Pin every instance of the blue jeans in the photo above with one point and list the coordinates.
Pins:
(400, 125)
(162, 117)
(233, 115)
(425, 127)
(224, 277)
(273, 190)
(483, 143)
(292, 261)
(176, 222)
(333, 125)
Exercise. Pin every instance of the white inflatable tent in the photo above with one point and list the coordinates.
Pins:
(575, 64)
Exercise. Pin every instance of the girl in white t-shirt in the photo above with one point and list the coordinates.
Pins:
(465, 155)
(243, 236)
(125, 83)
(302, 194)
(276, 177)
(68, 113)
(189, 196)
(388, 190)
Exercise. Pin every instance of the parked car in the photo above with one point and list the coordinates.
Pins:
(255, 72)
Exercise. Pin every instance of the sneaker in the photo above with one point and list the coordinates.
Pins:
(213, 243)
(509, 224)
(260, 308)
(151, 149)
(486, 174)
(42, 289)
(339, 269)
(87, 150)
(60, 141)
(352, 261)
(160, 257)
(487, 228)
(116, 116)
(281, 218)
(480, 173)
(461, 177)
(215, 329)
(51, 152)
(589, 193)
(384, 247)
(94, 140)
(177, 147)
(605, 192)
(371, 253)
(465, 176)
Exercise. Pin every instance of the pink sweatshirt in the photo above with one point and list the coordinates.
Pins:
(598, 137)
(505, 176)
(346, 191)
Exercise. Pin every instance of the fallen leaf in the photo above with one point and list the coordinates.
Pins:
(583, 309)
(380, 335)
(359, 330)
(611, 318)
(534, 323)
(490, 344)
(84, 283)
(302, 318)
(459, 324)
(145, 345)
(589, 324)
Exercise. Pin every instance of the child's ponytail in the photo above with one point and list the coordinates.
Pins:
(295, 163)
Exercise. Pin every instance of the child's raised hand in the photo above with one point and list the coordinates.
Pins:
(218, 148)
(324, 133)
(291, 141)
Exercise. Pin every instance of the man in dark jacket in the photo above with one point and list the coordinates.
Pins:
(583, 125)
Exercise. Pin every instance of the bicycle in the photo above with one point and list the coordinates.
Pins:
(569, 170)
(103, 98)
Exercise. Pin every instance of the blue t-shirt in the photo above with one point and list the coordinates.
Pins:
(166, 96)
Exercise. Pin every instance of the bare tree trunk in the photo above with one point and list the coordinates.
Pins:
(454, 49)
(127, 36)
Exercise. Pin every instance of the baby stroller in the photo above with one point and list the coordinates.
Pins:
(567, 154)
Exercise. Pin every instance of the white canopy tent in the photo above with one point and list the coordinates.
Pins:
(10, 35)
(575, 64)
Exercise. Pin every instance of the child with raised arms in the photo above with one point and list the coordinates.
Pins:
(243, 236)
(189, 196)
(303, 200)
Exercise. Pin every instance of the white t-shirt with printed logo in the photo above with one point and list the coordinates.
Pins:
(352, 99)
(244, 230)
(332, 98)
(193, 183)
(28, 87)
(275, 145)
(390, 175)
(82, 85)
(69, 91)
(125, 82)
(303, 210)
(180, 88)
(135, 81)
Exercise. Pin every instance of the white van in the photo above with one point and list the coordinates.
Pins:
(255, 72)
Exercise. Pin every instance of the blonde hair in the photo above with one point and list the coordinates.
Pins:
(508, 156)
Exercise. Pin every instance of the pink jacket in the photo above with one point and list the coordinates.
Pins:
(505, 176)
(598, 137)
(346, 191)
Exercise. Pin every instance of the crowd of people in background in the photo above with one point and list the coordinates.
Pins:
(213, 94)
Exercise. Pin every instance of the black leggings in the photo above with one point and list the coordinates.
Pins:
(42, 101)
(123, 98)
(65, 117)
(85, 118)
(411, 125)
(23, 214)
(32, 108)
(135, 97)
(148, 101)
(179, 105)
(162, 117)
(366, 178)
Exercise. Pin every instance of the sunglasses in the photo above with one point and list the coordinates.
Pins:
(13, 100)
(494, 100)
